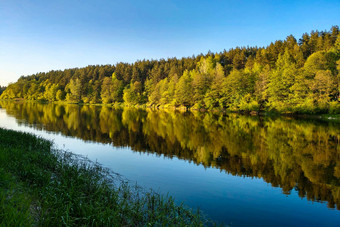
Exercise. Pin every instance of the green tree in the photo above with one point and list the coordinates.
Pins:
(106, 91)
(213, 96)
(280, 82)
(75, 91)
(202, 78)
(316, 61)
(236, 85)
(60, 96)
(51, 91)
(184, 92)
(155, 96)
(133, 93)
(261, 86)
(323, 87)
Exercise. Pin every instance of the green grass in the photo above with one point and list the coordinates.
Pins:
(40, 186)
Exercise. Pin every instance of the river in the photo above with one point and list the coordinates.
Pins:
(239, 170)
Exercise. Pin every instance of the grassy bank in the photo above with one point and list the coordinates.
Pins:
(45, 187)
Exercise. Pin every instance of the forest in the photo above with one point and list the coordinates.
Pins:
(289, 76)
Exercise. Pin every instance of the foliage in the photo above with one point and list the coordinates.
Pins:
(285, 76)
(112, 90)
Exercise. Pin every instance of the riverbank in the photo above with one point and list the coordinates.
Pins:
(321, 116)
(43, 186)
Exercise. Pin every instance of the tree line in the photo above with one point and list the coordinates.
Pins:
(298, 76)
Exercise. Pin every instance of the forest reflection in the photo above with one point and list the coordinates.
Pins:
(301, 155)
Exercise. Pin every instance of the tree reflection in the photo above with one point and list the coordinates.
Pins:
(301, 155)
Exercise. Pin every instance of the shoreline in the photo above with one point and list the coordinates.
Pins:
(43, 186)
(316, 116)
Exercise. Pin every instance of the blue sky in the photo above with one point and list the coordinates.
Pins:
(38, 36)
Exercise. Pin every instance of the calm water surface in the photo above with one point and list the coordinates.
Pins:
(239, 170)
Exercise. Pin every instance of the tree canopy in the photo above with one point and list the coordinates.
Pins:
(301, 76)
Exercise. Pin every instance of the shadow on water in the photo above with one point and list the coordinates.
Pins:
(301, 155)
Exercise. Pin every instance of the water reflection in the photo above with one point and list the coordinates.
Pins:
(287, 153)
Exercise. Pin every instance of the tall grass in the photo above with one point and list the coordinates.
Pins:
(45, 187)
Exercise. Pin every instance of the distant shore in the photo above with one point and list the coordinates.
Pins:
(317, 116)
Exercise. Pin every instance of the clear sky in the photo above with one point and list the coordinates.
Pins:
(42, 35)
